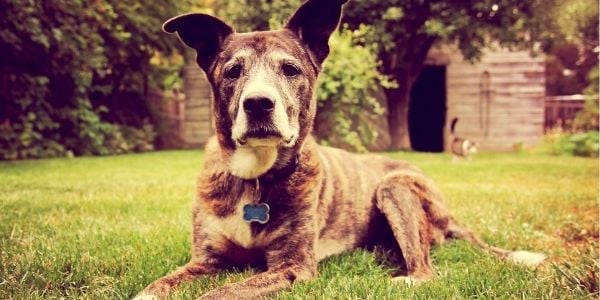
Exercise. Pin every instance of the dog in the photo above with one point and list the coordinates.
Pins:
(268, 196)
(461, 148)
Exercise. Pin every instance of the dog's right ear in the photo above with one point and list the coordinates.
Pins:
(203, 33)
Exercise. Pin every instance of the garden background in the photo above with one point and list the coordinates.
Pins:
(84, 217)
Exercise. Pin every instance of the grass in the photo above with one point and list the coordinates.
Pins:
(103, 228)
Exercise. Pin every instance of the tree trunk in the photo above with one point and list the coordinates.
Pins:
(398, 100)
(404, 70)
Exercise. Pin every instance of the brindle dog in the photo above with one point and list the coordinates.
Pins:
(321, 201)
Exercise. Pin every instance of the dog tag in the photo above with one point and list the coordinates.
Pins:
(256, 213)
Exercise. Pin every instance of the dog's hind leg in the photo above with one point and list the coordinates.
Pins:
(161, 288)
(412, 206)
(415, 211)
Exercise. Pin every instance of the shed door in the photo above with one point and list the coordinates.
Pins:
(427, 110)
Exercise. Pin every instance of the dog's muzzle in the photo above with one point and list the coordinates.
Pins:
(262, 123)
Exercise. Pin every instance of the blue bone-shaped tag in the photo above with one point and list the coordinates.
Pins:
(256, 213)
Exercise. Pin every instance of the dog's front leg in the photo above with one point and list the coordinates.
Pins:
(261, 284)
(286, 266)
(161, 288)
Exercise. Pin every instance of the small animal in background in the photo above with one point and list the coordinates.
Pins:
(461, 148)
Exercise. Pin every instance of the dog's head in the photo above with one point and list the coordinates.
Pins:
(263, 82)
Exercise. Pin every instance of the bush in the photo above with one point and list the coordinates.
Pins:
(578, 144)
(347, 108)
(587, 119)
(74, 76)
(585, 140)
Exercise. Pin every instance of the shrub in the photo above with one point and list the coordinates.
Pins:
(347, 108)
(578, 144)
(587, 119)
(74, 75)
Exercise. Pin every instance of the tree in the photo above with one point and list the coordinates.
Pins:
(73, 75)
(575, 50)
(252, 15)
(407, 29)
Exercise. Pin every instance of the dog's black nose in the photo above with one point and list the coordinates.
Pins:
(258, 106)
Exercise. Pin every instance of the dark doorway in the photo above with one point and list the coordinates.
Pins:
(427, 110)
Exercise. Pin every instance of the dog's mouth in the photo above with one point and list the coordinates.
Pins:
(265, 138)
(262, 134)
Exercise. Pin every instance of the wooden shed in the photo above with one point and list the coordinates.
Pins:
(197, 124)
(499, 100)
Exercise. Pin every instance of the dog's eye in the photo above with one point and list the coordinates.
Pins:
(234, 72)
(290, 70)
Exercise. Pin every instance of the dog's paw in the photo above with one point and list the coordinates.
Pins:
(145, 297)
(530, 259)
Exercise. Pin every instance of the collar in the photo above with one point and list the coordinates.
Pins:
(274, 175)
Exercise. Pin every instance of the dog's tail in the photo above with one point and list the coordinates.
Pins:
(531, 259)
(453, 125)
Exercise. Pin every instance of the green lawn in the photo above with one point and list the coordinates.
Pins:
(100, 228)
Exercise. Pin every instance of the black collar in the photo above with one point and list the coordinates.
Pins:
(274, 175)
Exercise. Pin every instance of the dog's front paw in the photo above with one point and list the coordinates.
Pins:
(155, 291)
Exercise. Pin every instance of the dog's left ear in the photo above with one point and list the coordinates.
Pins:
(314, 22)
(203, 33)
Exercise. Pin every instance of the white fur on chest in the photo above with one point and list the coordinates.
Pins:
(234, 228)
